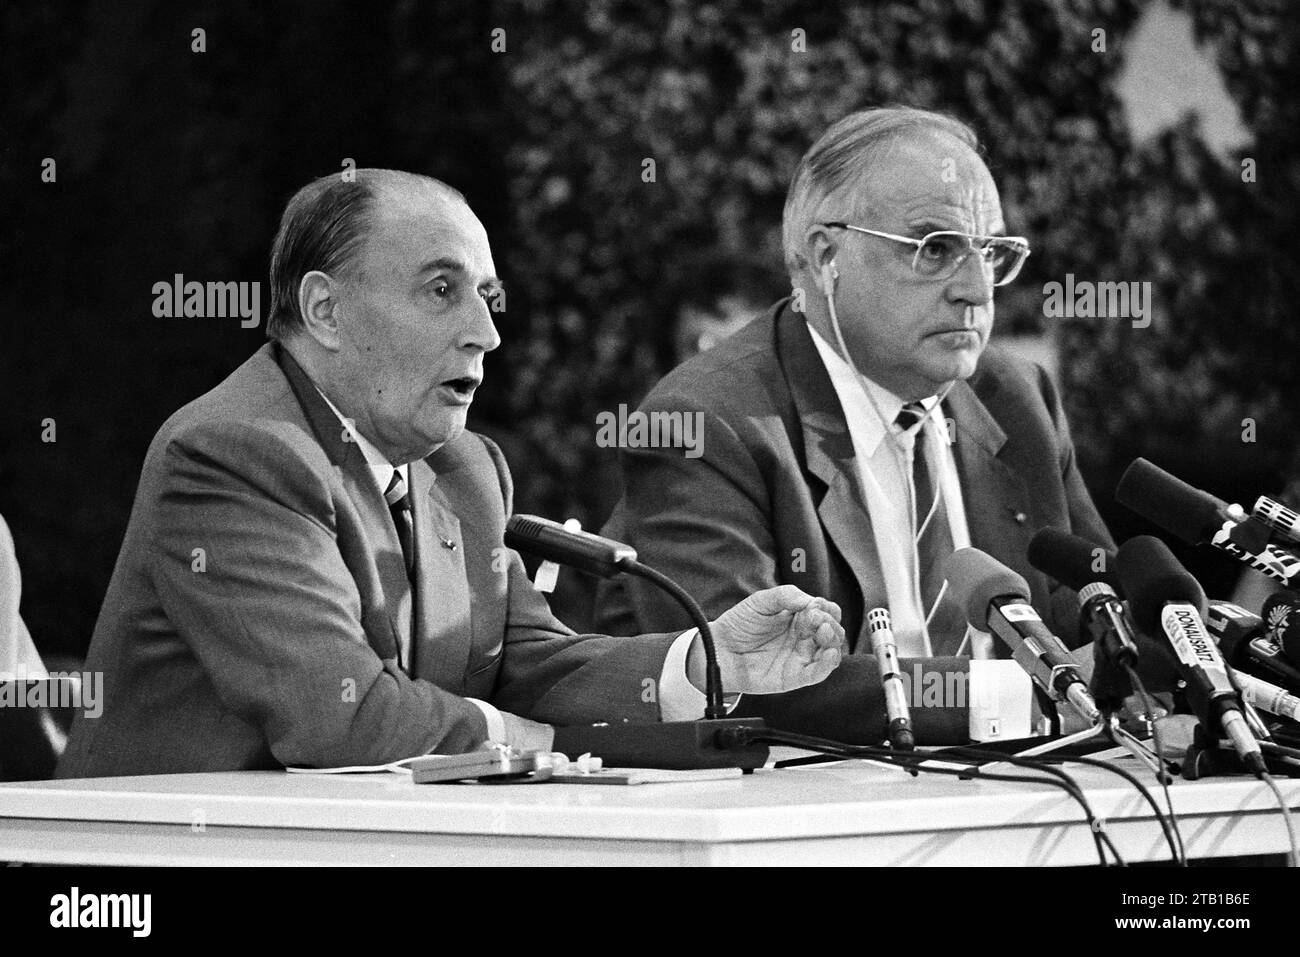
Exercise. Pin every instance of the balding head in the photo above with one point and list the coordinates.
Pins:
(325, 223)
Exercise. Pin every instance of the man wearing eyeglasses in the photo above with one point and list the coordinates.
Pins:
(858, 433)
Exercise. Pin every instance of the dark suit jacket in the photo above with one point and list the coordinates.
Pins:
(775, 498)
(254, 614)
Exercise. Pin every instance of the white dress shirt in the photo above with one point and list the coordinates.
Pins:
(885, 471)
(679, 700)
(997, 687)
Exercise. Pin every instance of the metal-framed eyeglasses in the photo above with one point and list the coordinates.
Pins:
(940, 254)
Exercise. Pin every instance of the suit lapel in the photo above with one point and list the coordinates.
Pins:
(386, 618)
(1002, 530)
(444, 618)
(828, 450)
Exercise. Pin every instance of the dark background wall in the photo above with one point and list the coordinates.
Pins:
(175, 161)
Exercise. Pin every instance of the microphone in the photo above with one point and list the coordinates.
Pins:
(891, 678)
(555, 543)
(608, 558)
(1166, 600)
(1199, 518)
(1088, 569)
(994, 598)
(1268, 697)
(1278, 517)
(1280, 624)
(677, 745)
(1254, 644)
(1071, 559)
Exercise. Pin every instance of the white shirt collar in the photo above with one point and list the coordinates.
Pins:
(847, 383)
(380, 467)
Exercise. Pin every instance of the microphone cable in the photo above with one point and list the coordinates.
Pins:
(1293, 856)
(1148, 703)
(914, 763)
(1168, 823)
(1046, 763)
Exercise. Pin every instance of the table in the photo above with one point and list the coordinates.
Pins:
(844, 813)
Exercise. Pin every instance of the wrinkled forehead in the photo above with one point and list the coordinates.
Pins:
(928, 181)
(411, 225)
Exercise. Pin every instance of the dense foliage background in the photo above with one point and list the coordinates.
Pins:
(171, 161)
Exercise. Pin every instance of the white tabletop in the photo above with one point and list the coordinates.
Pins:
(813, 813)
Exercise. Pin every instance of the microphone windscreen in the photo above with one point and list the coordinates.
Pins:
(1169, 502)
(1151, 576)
(975, 579)
(1071, 560)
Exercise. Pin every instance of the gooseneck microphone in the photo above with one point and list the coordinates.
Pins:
(607, 558)
(581, 550)
(1166, 599)
(716, 742)
(1199, 518)
(891, 679)
(994, 598)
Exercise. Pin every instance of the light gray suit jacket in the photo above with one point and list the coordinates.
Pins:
(255, 613)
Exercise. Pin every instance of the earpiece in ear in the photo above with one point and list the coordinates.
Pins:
(829, 275)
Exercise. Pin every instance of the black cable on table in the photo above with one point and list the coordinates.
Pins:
(1294, 856)
(1148, 702)
(913, 762)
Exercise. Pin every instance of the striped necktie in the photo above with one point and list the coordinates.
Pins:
(399, 506)
(933, 539)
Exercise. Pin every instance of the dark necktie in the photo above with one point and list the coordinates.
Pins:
(933, 541)
(399, 505)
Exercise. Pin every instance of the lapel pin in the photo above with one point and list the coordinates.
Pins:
(448, 543)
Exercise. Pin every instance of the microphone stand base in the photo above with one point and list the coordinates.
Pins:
(669, 745)
(1205, 758)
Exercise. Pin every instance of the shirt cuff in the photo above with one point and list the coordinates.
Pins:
(679, 700)
(1001, 700)
(496, 725)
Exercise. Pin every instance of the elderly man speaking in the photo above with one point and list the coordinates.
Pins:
(858, 432)
(314, 572)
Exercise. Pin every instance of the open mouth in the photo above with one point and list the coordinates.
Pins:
(463, 386)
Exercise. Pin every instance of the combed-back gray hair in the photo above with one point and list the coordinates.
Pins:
(842, 157)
